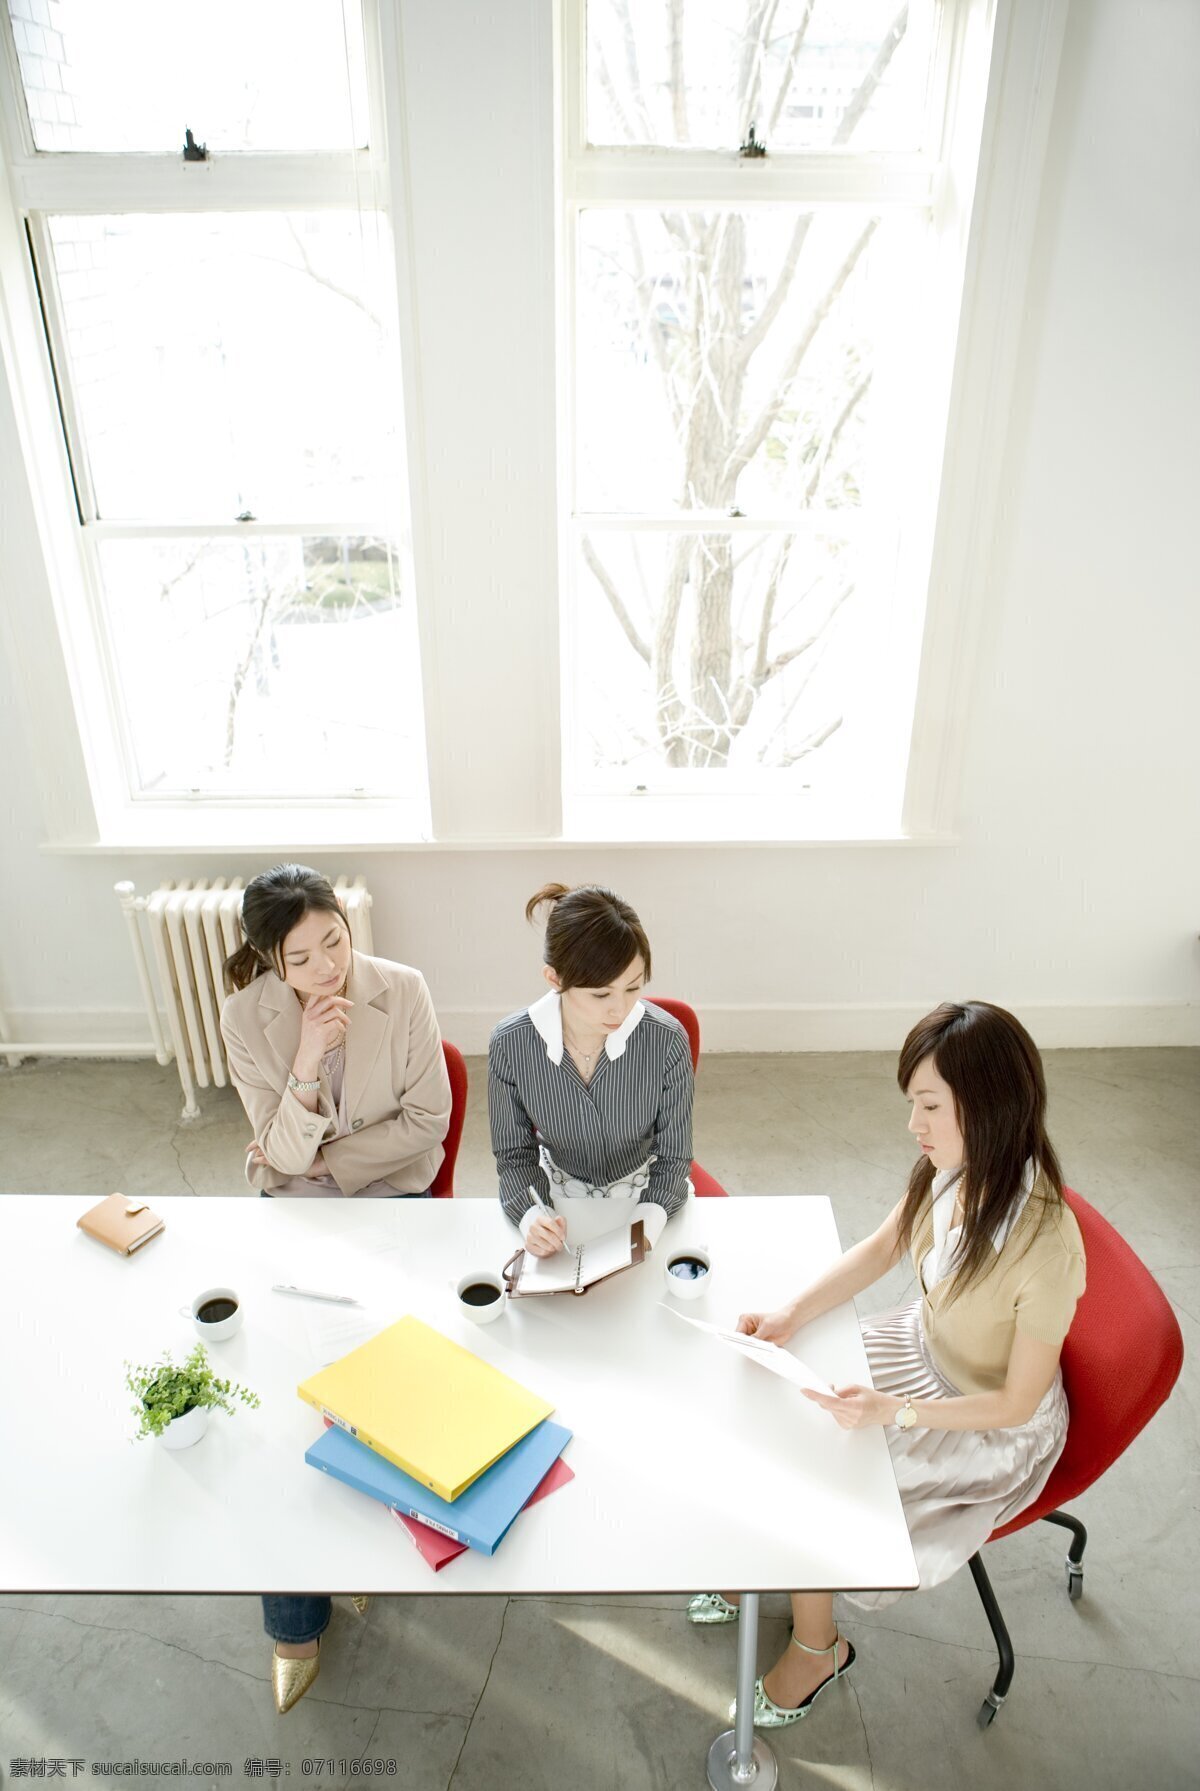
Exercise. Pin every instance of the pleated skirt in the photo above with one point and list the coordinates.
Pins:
(956, 1485)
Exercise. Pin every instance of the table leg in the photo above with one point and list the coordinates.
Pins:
(738, 1756)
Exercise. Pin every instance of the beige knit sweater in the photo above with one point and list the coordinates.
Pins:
(1032, 1286)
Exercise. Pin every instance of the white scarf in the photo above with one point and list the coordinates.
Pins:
(947, 1239)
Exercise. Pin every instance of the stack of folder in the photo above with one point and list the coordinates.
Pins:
(434, 1433)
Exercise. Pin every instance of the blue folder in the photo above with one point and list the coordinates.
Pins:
(480, 1515)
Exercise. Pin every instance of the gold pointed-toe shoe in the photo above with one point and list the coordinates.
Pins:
(361, 1602)
(290, 1679)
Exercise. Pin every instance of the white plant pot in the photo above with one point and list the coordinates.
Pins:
(185, 1430)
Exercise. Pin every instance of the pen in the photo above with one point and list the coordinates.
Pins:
(312, 1293)
(547, 1212)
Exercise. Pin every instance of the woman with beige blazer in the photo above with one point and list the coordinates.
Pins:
(338, 1060)
(337, 1056)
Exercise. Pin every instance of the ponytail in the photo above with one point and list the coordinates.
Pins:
(242, 967)
(549, 892)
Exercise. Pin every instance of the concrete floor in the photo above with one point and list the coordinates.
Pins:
(480, 1694)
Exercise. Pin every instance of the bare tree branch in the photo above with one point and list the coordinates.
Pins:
(831, 440)
(614, 598)
(779, 731)
(649, 329)
(621, 7)
(774, 303)
(241, 671)
(344, 292)
(811, 744)
(768, 610)
(679, 117)
(784, 659)
(610, 93)
(866, 88)
(846, 128)
(789, 69)
(755, 435)
(760, 15)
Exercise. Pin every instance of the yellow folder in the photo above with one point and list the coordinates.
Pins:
(425, 1404)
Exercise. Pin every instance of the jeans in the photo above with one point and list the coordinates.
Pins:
(296, 1616)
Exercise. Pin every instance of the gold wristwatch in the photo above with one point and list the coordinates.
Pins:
(906, 1417)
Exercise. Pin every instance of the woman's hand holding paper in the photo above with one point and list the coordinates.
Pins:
(855, 1408)
(769, 1327)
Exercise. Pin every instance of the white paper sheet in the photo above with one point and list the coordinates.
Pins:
(333, 1331)
(754, 1349)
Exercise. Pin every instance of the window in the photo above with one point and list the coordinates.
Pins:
(697, 456)
(750, 261)
(208, 223)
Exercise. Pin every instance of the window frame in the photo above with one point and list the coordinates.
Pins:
(44, 183)
(973, 59)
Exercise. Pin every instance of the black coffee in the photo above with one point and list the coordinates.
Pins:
(213, 1311)
(688, 1268)
(480, 1293)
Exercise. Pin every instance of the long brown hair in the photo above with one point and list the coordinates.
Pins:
(276, 901)
(995, 1074)
(591, 934)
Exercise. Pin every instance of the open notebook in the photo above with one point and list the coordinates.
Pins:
(574, 1271)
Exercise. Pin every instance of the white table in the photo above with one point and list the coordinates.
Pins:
(694, 1468)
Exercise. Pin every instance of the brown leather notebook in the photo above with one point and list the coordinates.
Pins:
(574, 1271)
(123, 1222)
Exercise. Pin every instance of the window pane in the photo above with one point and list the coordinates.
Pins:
(727, 357)
(231, 363)
(114, 75)
(721, 652)
(808, 74)
(265, 665)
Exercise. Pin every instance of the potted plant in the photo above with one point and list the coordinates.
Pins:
(173, 1402)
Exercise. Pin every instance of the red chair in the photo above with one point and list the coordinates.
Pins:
(443, 1182)
(1121, 1358)
(704, 1184)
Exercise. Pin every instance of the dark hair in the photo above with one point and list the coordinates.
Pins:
(994, 1072)
(591, 935)
(276, 901)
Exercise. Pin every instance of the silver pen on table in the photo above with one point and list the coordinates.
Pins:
(312, 1293)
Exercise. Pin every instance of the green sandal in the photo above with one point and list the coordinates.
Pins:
(710, 1607)
(770, 1715)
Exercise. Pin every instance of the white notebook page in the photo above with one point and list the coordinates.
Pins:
(557, 1274)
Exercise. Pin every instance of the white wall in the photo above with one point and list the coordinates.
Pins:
(1070, 891)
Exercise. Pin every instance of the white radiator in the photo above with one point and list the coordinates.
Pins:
(191, 928)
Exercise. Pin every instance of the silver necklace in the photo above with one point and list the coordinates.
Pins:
(584, 1056)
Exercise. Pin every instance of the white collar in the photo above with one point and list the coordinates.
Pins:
(945, 1184)
(546, 1015)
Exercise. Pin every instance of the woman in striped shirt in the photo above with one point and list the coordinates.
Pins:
(590, 1088)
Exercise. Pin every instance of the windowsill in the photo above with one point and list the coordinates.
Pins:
(165, 847)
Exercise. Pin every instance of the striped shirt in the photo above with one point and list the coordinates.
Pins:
(638, 1104)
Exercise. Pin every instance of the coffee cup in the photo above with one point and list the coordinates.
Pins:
(688, 1271)
(482, 1296)
(216, 1313)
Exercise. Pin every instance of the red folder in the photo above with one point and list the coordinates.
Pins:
(438, 1549)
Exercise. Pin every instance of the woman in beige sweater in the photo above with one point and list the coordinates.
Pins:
(966, 1378)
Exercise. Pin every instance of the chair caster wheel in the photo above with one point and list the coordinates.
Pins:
(1074, 1582)
(987, 1713)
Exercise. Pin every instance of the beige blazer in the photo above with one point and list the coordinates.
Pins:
(396, 1089)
